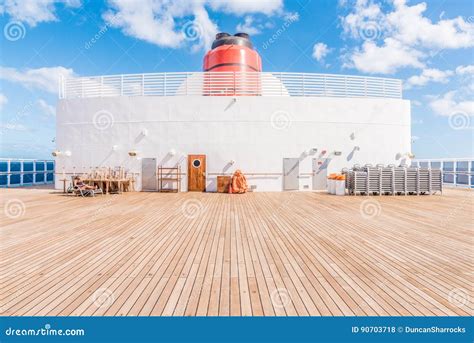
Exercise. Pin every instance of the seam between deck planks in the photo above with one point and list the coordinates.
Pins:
(252, 254)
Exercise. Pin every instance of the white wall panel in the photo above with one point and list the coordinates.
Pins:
(226, 129)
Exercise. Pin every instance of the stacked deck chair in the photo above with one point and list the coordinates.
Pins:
(400, 181)
(412, 181)
(436, 181)
(358, 182)
(424, 181)
(373, 179)
(386, 179)
(392, 180)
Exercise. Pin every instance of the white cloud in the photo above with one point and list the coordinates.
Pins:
(163, 23)
(206, 29)
(320, 50)
(453, 102)
(13, 127)
(248, 26)
(3, 100)
(148, 20)
(240, 7)
(458, 100)
(45, 79)
(412, 28)
(35, 11)
(465, 70)
(46, 108)
(401, 37)
(291, 17)
(171, 24)
(429, 75)
(384, 60)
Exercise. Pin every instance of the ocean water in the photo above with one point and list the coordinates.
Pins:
(464, 171)
(26, 172)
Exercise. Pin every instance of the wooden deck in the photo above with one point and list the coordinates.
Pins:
(260, 254)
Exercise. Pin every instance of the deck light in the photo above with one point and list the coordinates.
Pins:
(67, 153)
(337, 153)
(56, 153)
(132, 153)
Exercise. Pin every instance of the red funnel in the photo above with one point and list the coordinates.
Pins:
(235, 56)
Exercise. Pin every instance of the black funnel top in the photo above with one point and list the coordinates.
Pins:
(224, 38)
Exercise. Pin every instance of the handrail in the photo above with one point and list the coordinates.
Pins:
(25, 176)
(453, 175)
(230, 84)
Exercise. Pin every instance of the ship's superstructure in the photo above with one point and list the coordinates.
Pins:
(285, 131)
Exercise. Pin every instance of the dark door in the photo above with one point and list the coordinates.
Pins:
(196, 173)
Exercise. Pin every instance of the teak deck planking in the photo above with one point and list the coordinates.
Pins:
(255, 254)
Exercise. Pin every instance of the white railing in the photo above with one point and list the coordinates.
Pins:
(230, 84)
(20, 172)
(457, 172)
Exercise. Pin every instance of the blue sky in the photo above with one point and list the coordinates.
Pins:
(429, 45)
